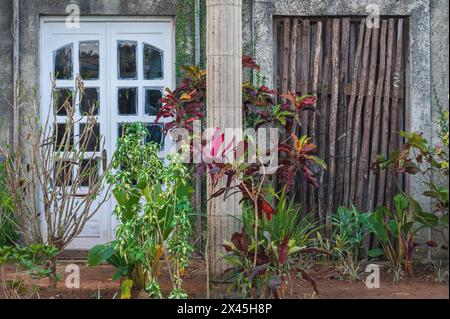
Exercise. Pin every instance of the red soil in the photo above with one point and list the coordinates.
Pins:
(96, 283)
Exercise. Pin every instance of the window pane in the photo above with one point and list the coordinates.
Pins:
(127, 59)
(63, 137)
(89, 172)
(63, 63)
(63, 101)
(153, 63)
(90, 103)
(127, 101)
(155, 134)
(89, 60)
(121, 131)
(152, 101)
(63, 173)
(90, 140)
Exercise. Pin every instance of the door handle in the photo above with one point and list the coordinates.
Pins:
(104, 160)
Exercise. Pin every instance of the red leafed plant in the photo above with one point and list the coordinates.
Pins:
(261, 108)
(187, 103)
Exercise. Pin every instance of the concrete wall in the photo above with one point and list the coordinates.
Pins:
(440, 79)
(6, 66)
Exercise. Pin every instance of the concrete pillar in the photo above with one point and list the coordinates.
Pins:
(224, 110)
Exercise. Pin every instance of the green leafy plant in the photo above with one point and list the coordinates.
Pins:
(281, 240)
(418, 157)
(395, 230)
(34, 259)
(153, 210)
(350, 228)
(8, 234)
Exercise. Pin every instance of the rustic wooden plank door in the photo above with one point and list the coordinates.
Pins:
(360, 76)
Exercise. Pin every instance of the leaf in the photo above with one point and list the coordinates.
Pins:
(401, 204)
(427, 219)
(99, 254)
(120, 273)
(319, 161)
(125, 289)
(376, 252)
(307, 277)
(377, 228)
(283, 251)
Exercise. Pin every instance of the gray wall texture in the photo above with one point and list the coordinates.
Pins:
(429, 33)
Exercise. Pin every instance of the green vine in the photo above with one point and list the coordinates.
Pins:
(202, 15)
(185, 34)
(184, 52)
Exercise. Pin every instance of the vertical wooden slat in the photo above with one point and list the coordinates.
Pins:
(276, 54)
(316, 64)
(406, 109)
(286, 44)
(359, 111)
(363, 168)
(386, 111)
(305, 42)
(377, 117)
(342, 111)
(293, 55)
(333, 116)
(350, 113)
(323, 117)
(393, 141)
(315, 86)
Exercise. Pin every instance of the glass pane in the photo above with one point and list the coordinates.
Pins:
(89, 172)
(152, 101)
(63, 137)
(89, 60)
(153, 63)
(63, 63)
(127, 101)
(90, 141)
(121, 131)
(63, 101)
(155, 134)
(63, 173)
(127, 59)
(90, 103)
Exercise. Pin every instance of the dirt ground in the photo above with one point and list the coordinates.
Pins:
(96, 283)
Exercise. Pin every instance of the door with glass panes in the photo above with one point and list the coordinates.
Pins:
(125, 67)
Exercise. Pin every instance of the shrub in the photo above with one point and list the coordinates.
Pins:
(350, 228)
(395, 230)
(282, 238)
(153, 210)
(8, 234)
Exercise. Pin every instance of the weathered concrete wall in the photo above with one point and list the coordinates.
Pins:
(6, 67)
(440, 81)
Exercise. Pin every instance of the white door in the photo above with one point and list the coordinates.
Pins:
(125, 68)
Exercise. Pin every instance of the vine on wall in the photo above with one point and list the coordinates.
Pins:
(185, 34)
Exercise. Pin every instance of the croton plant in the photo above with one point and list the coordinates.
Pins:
(262, 107)
(187, 103)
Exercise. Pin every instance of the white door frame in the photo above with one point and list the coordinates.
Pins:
(107, 55)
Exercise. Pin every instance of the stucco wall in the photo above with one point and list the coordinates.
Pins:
(440, 77)
(6, 76)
